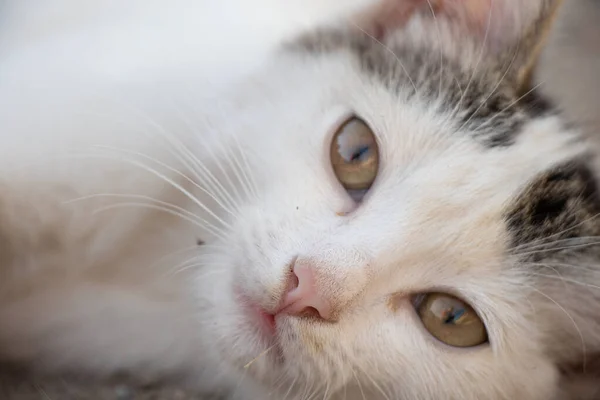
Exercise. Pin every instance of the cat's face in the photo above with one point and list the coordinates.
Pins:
(462, 181)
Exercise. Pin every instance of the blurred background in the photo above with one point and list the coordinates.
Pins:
(569, 69)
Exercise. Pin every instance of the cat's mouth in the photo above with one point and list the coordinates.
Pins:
(262, 323)
(264, 320)
(265, 327)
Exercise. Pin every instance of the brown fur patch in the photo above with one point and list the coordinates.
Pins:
(561, 203)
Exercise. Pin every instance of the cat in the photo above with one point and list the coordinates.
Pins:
(354, 200)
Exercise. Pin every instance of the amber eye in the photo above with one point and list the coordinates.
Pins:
(450, 320)
(355, 155)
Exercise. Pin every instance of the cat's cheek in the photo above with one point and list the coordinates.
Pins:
(534, 381)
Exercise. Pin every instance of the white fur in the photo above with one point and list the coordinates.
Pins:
(397, 238)
(86, 110)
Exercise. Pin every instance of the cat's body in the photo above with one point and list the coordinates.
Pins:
(108, 122)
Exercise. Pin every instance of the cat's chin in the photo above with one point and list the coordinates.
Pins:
(247, 336)
(264, 347)
(263, 328)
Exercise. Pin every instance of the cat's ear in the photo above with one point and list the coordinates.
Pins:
(511, 32)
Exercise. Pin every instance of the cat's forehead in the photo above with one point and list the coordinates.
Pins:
(452, 79)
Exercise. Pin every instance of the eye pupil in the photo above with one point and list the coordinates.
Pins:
(450, 320)
(449, 317)
(359, 154)
(452, 316)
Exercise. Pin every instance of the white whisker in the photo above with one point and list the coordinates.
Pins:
(290, 388)
(191, 263)
(573, 247)
(491, 92)
(579, 332)
(250, 177)
(214, 182)
(375, 384)
(386, 48)
(491, 119)
(175, 253)
(439, 34)
(171, 182)
(238, 171)
(171, 169)
(258, 357)
(566, 280)
(542, 244)
(220, 234)
(171, 206)
(362, 392)
(479, 58)
(583, 267)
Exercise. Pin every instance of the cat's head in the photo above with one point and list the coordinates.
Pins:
(416, 217)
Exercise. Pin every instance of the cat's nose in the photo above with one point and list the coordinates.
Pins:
(302, 297)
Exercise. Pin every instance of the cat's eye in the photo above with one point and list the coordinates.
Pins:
(355, 155)
(451, 320)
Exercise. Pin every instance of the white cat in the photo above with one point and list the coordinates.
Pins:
(385, 210)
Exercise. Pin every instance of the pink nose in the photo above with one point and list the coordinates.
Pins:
(303, 297)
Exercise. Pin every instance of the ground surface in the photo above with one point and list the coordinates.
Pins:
(20, 386)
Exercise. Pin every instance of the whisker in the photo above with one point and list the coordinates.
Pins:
(191, 263)
(171, 169)
(439, 34)
(386, 48)
(219, 234)
(547, 240)
(247, 168)
(554, 249)
(544, 243)
(171, 206)
(533, 310)
(558, 274)
(479, 58)
(279, 382)
(174, 254)
(375, 384)
(176, 147)
(582, 267)
(235, 196)
(315, 391)
(491, 92)
(195, 161)
(362, 392)
(171, 182)
(290, 388)
(258, 357)
(566, 280)
(583, 347)
(307, 389)
(237, 171)
(512, 104)
(212, 272)
(326, 393)
(458, 85)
